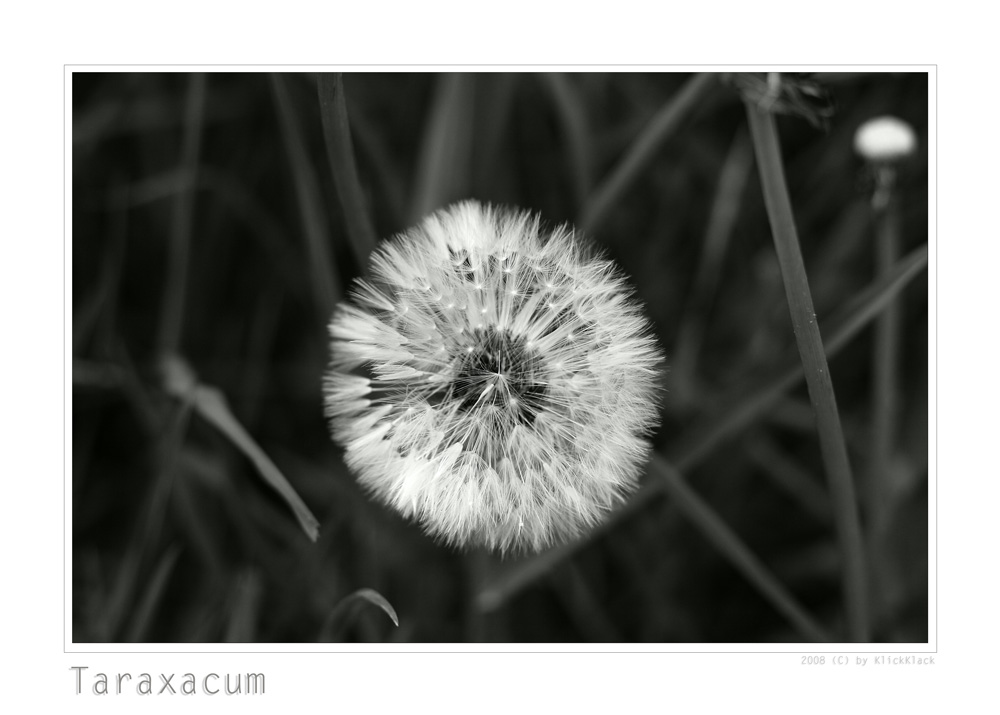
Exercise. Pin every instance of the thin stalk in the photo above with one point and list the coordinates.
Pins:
(172, 315)
(817, 372)
(885, 397)
(145, 609)
(572, 116)
(644, 149)
(340, 153)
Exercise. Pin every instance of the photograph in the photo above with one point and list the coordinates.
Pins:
(499, 356)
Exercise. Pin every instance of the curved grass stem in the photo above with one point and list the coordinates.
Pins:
(814, 363)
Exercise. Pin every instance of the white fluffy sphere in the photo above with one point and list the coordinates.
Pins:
(491, 382)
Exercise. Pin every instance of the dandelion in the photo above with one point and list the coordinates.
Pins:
(494, 383)
(884, 142)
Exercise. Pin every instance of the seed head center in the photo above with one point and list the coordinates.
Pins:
(499, 370)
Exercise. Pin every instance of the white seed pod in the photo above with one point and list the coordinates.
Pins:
(884, 140)
(493, 383)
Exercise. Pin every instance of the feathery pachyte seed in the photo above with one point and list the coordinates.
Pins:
(491, 382)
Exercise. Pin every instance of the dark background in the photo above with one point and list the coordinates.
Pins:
(214, 194)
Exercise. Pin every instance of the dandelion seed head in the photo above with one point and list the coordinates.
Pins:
(494, 382)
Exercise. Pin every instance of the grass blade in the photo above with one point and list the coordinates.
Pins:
(817, 371)
(326, 287)
(340, 152)
(245, 608)
(348, 604)
(210, 403)
(642, 151)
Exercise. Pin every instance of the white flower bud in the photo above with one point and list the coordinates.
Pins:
(884, 140)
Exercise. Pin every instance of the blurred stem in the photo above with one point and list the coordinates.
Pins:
(572, 116)
(887, 335)
(444, 167)
(475, 565)
(817, 372)
(738, 553)
(340, 152)
(326, 286)
(172, 316)
(644, 149)
(722, 219)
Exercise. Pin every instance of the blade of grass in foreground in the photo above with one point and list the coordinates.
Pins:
(180, 382)
(340, 152)
(692, 449)
(348, 604)
(642, 151)
(326, 287)
(817, 371)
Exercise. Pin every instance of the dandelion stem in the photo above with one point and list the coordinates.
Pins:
(887, 328)
(817, 372)
(642, 151)
(340, 152)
